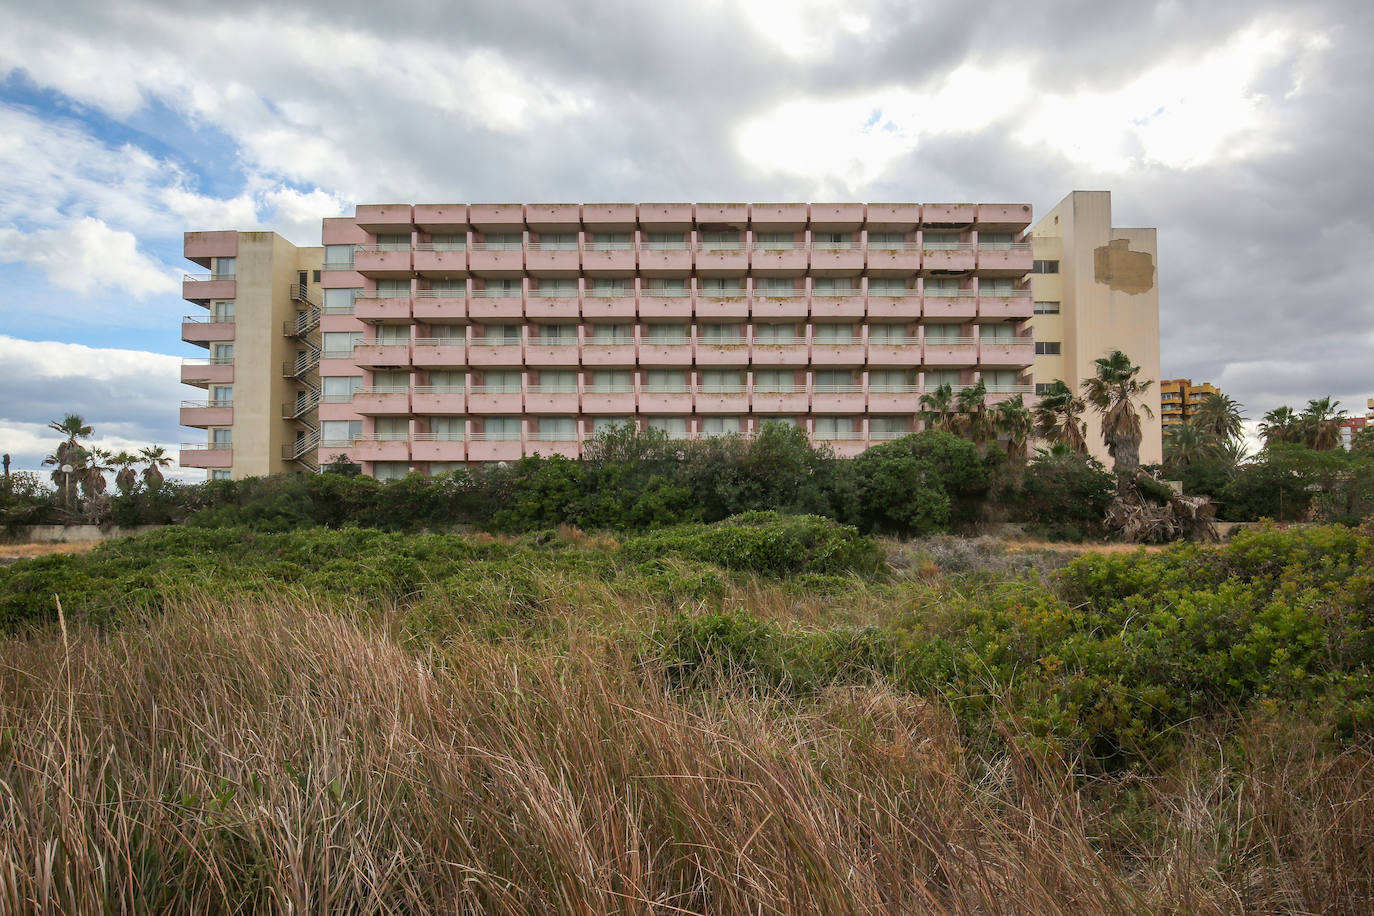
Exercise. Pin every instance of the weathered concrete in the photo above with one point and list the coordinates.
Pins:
(64, 534)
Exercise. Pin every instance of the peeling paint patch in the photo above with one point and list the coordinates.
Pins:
(1124, 270)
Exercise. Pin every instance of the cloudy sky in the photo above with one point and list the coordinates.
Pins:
(1241, 130)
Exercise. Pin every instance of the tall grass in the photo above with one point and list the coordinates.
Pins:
(263, 756)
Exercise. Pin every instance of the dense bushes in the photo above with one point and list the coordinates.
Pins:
(767, 543)
(1063, 497)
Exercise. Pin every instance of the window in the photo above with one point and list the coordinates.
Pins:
(666, 333)
(612, 334)
(889, 240)
(722, 381)
(833, 286)
(501, 429)
(835, 428)
(775, 333)
(338, 389)
(937, 377)
(556, 289)
(887, 286)
(221, 437)
(391, 429)
(666, 381)
(666, 289)
(221, 354)
(557, 429)
(1047, 348)
(315, 276)
(339, 344)
(605, 424)
(721, 286)
(890, 381)
(338, 257)
(339, 301)
(999, 380)
(1045, 267)
(396, 382)
(393, 334)
(500, 335)
(775, 381)
(940, 241)
(675, 427)
(500, 289)
(558, 241)
(888, 427)
(393, 289)
(444, 467)
(721, 334)
(999, 287)
(943, 333)
(557, 381)
(834, 333)
(775, 286)
(711, 241)
(223, 268)
(781, 421)
(221, 395)
(219, 474)
(612, 381)
(999, 333)
(995, 241)
(1043, 388)
(720, 426)
(833, 380)
(396, 241)
(451, 241)
(887, 333)
(831, 240)
(339, 433)
(943, 286)
(503, 241)
(390, 470)
(447, 382)
(775, 241)
(554, 335)
(448, 333)
(222, 310)
(1046, 308)
(611, 241)
(501, 382)
(608, 289)
(664, 241)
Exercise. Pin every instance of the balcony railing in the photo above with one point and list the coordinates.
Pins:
(671, 245)
(893, 246)
(335, 443)
(439, 437)
(779, 341)
(1003, 246)
(501, 436)
(884, 435)
(498, 293)
(715, 292)
(440, 341)
(723, 341)
(843, 245)
(208, 361)
(893, 389)
(939, 245)
(603, 292)
(1010, 389)
(838, 292)
(683, 388)
(999, 292)
(495, 389)
(337, 309)
(458, 293)
(736, 245)
(786, 245)
(666, 292)
(554, 389)
(665, 341)
(222, 402)
(552, 246)
(611, 246)
(496, 341)
(383, 247)
(893, 341)
(847, 388)
(441, 246)
(382, 389)
(373, 342)
(609, 389)
(838, 435)
(207, 277)
(893, 292)
(498, 246)
(944, 292)
(203, 445)
(338, 265)
(704, 388)
(537, 341)
(951, 341)
(557, 292)
(439, 389)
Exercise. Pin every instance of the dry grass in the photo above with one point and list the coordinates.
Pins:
(43, 549)
(292, 759)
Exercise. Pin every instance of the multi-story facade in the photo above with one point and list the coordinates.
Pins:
(1095, 289)
(1179, 399)
(445, 334)
(1355, 424)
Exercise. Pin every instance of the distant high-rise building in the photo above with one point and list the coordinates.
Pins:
(1179, 399)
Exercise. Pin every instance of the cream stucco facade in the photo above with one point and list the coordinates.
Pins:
(1105, 282)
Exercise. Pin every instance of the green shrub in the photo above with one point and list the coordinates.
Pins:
(768, 544)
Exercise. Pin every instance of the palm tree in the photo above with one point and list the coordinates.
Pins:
(126, 476)
(937, 407)
(156, 459)
(1014, 420)
(1058, 418)
(1113, 393)
(74, 427)
(1320, 423)
(1280, 425)
(1187, 443)
(1220, 416)
(69, 453)
(93, 474)
(972, 419)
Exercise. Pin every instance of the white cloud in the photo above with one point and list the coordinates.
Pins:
(52, 360)
(87, 254)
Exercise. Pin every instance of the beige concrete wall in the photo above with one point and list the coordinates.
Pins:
(1108, 289)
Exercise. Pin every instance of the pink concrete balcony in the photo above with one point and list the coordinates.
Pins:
(385, 219)
(1003, 217)
(436, 306)
(495, 450)
(200, 247)
(956, 214)
(338, 365)
(999, 393)
(483, 401)
(432, 401)
(675, 399)
(1019, 305)
(728, 402)
(496, 259)
(482, 354)
(384, 308)
(892, 217)
(665, 217)
(544, 307)
(777, 217)
(338, 409)
(827, 260)
(652, 354)
(722, 354)
(616, 403)
(960, 257)
(847, 305)
(946, 307)
(609, 217)
(382, 262)
(736, 215)
(199, 329)
(204, 287)
(829, 354)
(553, 217)
(206, 413)
(780, 402)
(609, 259)
(368, 449)
(884, 306)
(604, 307)
(560, 403)
(902, 355)
(722, 258)
(887, 401)
(537, 354)
(838, 399)
(497, 217)
(494, 305)
(425, 448)
(780, 353)
(659, 260)
(959, 351)
(381, 402)
(837, 217)
(445, 218)
(552, 262)
(710, 306)
(342, 230)
(886, 261)
(765, 306)
(203, 372)
(550, 447)
(772, 258)
(1006, 261)
(653, 306)
(1016, 353)
(200, 455)
(445, 263)
(608, 354)
(381, 356)
(438, 353)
